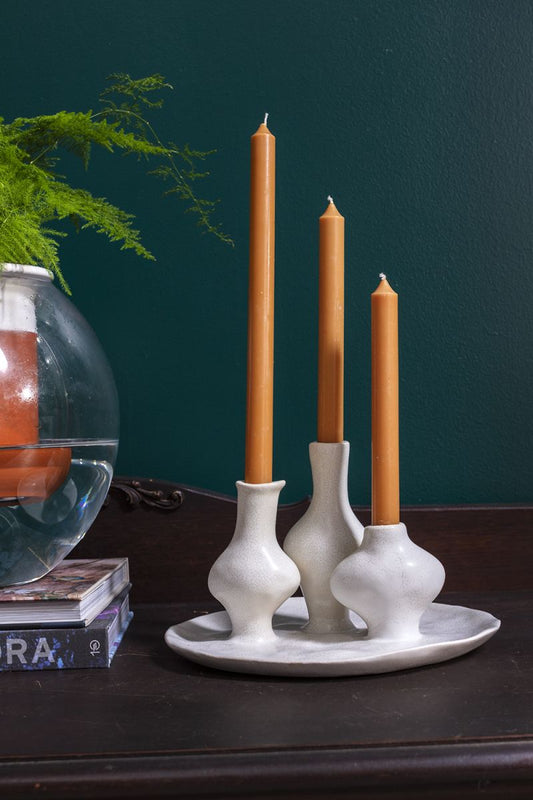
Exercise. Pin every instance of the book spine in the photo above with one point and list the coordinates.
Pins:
(58, 648)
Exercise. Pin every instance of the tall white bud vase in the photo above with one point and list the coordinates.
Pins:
(327, 533)
(389, 582)
(253, 576)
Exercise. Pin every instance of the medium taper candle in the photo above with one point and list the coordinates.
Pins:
(385, 416)
(330, 426)
(260, 384)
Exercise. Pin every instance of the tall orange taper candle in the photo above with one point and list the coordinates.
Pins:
(331, 326)
(385, 439)
(260, 387)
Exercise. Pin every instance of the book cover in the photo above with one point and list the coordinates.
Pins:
(74, 592)
(68, 648)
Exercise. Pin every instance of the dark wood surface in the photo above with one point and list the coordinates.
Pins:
(155, 725)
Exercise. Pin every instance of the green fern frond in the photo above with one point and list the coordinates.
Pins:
(133, 91)
(33, 193)
(130, 111)
(74, 132)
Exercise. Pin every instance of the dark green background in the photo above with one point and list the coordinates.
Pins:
(417, 116)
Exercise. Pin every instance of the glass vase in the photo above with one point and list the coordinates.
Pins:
(58, 424)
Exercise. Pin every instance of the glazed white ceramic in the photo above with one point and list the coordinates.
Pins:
(253, 576)
(389, 582)
(445, 632)
(327, 533)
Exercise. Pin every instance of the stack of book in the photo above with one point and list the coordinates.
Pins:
(73, 617)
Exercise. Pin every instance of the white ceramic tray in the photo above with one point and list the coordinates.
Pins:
(446, 632)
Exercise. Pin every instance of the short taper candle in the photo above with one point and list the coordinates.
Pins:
(385, 416)
(330, 427)
(260, 385)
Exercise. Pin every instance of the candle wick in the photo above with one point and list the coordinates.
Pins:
(330, 199)
(265, 120)
(382, 276)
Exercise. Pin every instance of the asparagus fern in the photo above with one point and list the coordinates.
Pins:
(34, 195)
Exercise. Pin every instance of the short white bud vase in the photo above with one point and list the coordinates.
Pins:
(390, 581)
(253, 576)
(327, 533)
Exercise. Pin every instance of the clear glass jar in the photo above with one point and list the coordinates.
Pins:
(58, 424)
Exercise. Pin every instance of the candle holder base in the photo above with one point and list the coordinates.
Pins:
(445, 633)
(389, 580)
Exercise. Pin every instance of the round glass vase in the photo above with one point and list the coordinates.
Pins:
(58, 424)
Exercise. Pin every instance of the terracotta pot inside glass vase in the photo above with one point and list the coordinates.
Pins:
(58, 425)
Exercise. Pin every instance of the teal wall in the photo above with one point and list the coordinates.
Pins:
(417, 116)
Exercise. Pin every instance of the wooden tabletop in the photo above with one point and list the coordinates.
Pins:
(155, 725)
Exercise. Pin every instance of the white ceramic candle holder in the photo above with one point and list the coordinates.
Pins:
(390, 582)
(327, 533)
(253, 576)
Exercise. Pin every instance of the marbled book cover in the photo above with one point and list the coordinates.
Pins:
(72, 579)
(68, 648)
